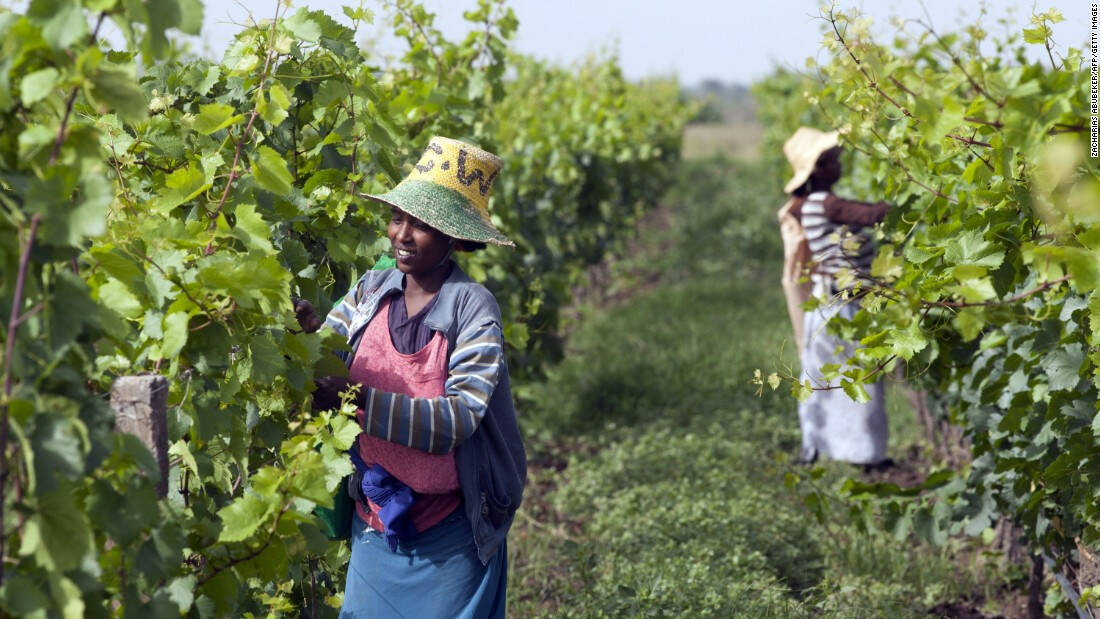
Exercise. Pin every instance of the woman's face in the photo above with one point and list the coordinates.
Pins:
(827, 169)
(417, 247)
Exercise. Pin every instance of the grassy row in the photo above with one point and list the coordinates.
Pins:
(657, 483)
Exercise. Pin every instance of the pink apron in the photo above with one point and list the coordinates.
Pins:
(422, 374)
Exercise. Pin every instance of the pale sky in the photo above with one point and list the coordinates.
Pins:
(694, 39)
(729, 40)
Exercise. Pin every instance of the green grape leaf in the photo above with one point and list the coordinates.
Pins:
(209, 79)
(182, 185)
(1084, 266)
(907, 342)
(969, 321)
(34, 139)
(856, 391)
(345, 430)
(70, 309)
(274, 108)
(22, 597)
(190, 19)
(242, 517)
(63, 22)
(975, 290)
(66, 536)
(309, 479)
(221, 593)
(116, 87)
(1063, 366)
(251, 228)
(215, 117)
(267, 359)
(1035, 35)
(66, 225)
(947, 117)
(802, 390)
(302, 25)
(970, 248)
(1094, 319)
(175, 334)
(330, 365)
(269, 170)
(928, 527)
(123, 517)
(38, 85)
(516, 334)
(337, 465)
(117, 264)
(181, 591)
(68, 597)
(886, 265)
(359, 13)
(115, 295)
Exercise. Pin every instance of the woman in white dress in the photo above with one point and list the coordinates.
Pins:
(826, 236)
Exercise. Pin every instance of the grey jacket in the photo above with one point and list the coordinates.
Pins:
(489, 453)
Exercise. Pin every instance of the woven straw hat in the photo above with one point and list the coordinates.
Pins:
(448, 189)
(802, 150)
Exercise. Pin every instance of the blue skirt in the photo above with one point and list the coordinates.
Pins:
(435, 574)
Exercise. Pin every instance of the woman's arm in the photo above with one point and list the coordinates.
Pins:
(852, 212)
(438, 425)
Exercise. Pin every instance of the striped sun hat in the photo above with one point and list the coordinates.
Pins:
(448, 189)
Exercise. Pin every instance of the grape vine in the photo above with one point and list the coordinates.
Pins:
(986, 282)
(159, 211)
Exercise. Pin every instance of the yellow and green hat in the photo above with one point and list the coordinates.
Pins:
(448, 189)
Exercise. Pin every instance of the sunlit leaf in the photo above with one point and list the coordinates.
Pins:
(270, 171)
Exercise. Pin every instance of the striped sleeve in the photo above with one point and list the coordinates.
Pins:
(438, 425)
(339, 318)
(834, 247)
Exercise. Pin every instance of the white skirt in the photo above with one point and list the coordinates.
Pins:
(832, 424)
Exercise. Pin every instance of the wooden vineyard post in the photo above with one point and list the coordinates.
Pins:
(141, 404)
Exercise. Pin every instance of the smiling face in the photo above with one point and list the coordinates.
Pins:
(418, 248)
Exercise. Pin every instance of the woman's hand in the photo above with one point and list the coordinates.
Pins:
(327, 394)
(306, 315)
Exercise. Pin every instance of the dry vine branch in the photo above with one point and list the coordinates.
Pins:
(859, 65)
(9, 351)
(874, 84)
(179, 284)
(984, 160)
(251, 555)
(878, 369)
(996, 124)
(1013, 299)
(60, 139)
(902, 86)
(969, 141)
(955, 59)
(909, 175)
(271, 53)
